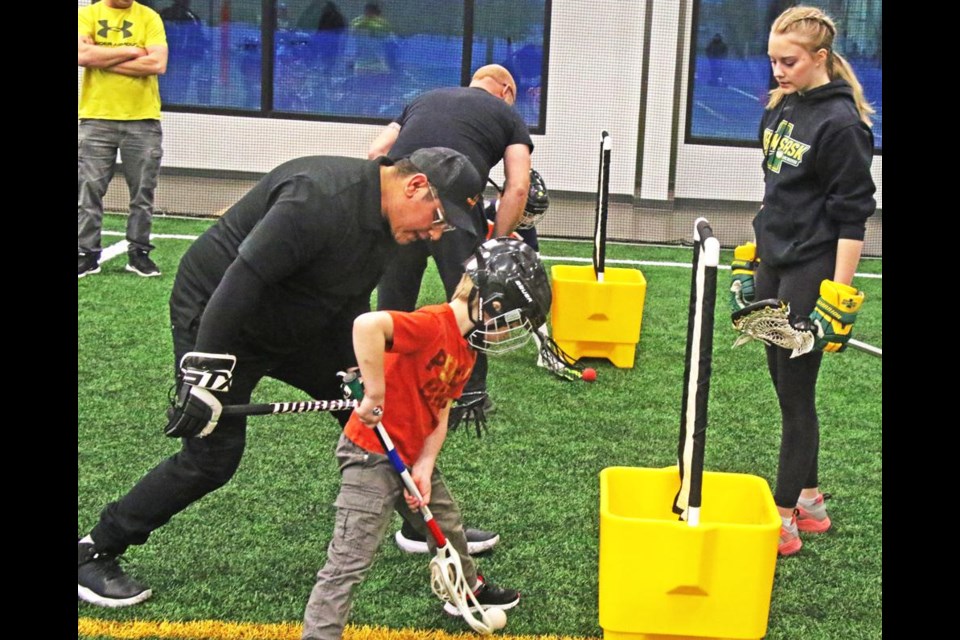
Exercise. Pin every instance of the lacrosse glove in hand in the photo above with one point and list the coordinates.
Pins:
(196, 410)
(742, 270)
(351, 384)
(834, 314)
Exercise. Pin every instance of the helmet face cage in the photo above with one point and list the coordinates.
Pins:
(538, 201)
(513, 294)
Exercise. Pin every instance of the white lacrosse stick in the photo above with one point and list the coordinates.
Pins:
(769, 322)
(446, 572)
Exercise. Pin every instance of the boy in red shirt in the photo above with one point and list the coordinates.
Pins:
(413, 366)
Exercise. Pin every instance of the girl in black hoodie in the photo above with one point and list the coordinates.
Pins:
(818, 148)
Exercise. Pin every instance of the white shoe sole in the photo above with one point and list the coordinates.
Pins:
(87, 273)
(410, 546)
(89, 596)
(451, 609)
(473, 548)
(141, 273)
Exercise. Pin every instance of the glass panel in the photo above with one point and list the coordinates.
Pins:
(365, 59)
(731, 75)
(511, 33)
(214, 53)
(349, 58)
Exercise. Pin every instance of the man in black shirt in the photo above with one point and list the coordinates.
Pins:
(480, 122)
(275, 286)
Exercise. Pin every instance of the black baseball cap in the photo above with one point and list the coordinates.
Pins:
(456, 181)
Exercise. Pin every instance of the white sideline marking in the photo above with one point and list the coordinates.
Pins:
(715, 114)
(109, 252)
(744, 93)
(166, 236)
(114, 250)
(657, 263)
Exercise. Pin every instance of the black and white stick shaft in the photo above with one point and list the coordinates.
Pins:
(603, 195)
(269, 408)
(697, 369)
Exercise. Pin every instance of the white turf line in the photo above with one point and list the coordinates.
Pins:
(121, 248)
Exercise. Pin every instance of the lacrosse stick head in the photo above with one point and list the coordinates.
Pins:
(538, 201)
(555, 360)
(448, 583)
(769, 322)
(512, 295)
(470, 409)
(444, 573)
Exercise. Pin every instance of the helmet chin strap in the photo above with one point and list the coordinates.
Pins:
(475, 337)
(475, 301)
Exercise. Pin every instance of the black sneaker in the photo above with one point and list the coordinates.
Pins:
(489, 596)
(102, 582)
(87, 263)
(410, 540)
(139, 262)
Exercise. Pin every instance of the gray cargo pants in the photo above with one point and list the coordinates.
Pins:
(370, 491)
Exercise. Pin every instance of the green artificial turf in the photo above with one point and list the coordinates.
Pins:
(249, 551)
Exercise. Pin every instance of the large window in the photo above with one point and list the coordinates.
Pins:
(349, 59)
(730, 72)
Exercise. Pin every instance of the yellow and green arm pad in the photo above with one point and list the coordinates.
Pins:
(834, 314)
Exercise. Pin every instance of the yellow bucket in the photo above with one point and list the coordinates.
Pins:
(661, 578)
(597, 319)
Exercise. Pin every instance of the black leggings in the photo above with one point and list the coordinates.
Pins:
(795, 379)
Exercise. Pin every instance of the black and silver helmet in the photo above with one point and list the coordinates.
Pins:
(513, 294)
(538, 201)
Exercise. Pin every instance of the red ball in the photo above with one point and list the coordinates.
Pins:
(589, 374)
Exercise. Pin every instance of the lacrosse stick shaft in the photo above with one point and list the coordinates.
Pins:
(408, 482)
(603, 193)
(866, 348)
(270, 408)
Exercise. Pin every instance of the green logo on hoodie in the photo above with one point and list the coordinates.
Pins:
(779, 147)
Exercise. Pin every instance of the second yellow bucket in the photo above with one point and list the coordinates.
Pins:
(597, 319)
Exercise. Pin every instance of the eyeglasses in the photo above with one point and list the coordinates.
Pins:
(439, 216)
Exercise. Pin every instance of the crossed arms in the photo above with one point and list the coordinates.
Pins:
(131, 61)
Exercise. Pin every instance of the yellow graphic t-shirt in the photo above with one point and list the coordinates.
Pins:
(106, 95)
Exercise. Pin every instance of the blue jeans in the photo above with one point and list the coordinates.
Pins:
(140, 145)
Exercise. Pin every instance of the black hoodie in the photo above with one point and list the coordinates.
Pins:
(816, 165)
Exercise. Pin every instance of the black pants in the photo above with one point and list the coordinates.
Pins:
(205, 464)
(795, 379)
(399, 287)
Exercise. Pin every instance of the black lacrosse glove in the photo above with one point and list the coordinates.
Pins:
(196, 410)
(470, 409)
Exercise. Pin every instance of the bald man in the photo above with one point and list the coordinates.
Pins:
(480, 122)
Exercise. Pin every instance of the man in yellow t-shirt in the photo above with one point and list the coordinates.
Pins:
(122, 47)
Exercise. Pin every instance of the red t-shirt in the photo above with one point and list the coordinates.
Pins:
(426, 367)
